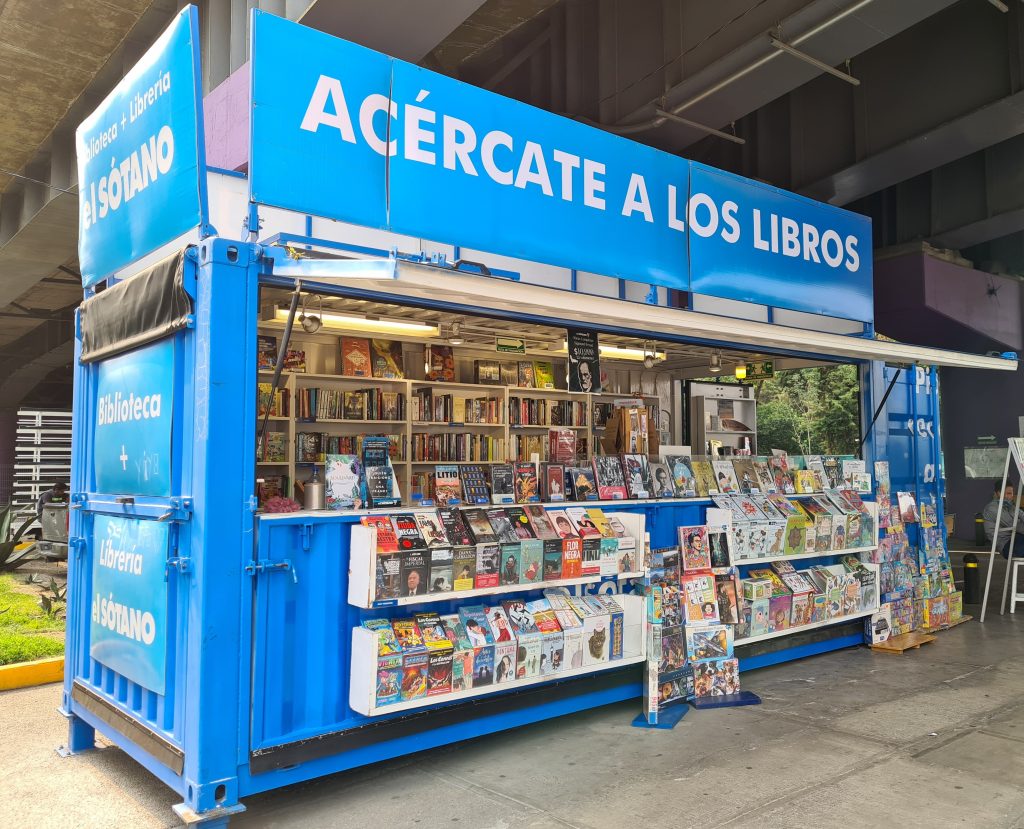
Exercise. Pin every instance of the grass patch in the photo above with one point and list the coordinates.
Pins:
(25, 630)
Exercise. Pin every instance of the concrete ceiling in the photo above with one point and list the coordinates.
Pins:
(50, 50)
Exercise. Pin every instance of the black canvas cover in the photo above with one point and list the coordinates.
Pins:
(148, 306)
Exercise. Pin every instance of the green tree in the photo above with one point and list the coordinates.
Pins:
(810, 411)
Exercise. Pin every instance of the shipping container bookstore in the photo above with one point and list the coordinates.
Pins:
(320, 470)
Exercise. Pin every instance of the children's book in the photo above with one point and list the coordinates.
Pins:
(725, 477)
(355, 357)
(387, 359)
(611, 483)
(525, 483)
(693, 543)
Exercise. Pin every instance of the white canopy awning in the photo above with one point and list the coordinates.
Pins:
(398, 281)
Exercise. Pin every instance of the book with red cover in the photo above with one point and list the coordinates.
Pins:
(355, 357)
(525, 482)
(442, 363)
(562, 446)
(387, 541)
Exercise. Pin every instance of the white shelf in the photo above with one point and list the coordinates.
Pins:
(823, 554)
(501, 589)
(749, 640)
(363, 678)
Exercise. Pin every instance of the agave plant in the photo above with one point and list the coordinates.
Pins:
(11, 558)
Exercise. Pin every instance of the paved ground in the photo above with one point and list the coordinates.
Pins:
(854, 738)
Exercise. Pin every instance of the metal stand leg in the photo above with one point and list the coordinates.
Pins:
(995, 539)
(1010, 558)
(81, 736)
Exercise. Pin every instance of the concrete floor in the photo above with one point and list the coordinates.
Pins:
(853, 738)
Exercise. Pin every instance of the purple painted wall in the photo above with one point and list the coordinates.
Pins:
(226, 111)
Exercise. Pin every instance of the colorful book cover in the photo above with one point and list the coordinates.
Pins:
(447, 484)
(562, 524)
(539, 521)
(727, 593)
(716, 678)
(684, 480)
(783, 475)
(354, 406)
(441, 363)
(415, 572)
(387, 359)
(508, 572)
(266, 352)
(805, 481)
(600, 520)
(531, 561)
(562, 446)
(583, 484)
(543, 374)
(408, 532)
(520, 522)
(387, 540)
(464, 567)
(725, 477)
(524, 376)
(355, 357)
(525, 483)
(488, 565)
(342, 486)
(487, 372)
(700, 605)
(765, 480)
(693, 543)
(637, 471)
(475, 488)
(611, 483)
(712, 642)
(746, 475)
(295, 360)
(705, 475)
(583, 523)
(431, 528)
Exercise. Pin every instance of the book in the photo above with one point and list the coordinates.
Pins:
(525, 375)
(543, 374)
(563, 526)
(611, 483)
(582, 483)
(553, 482)
(673, 650)
(700, 604)
(354, 406)
(387, 541)
(552, 637)
(355, 357)
(584, 360)
(746, 475)
(527, 635)
(542, 526)
(705, 475)
(725, 477)
(637, 473)
(407, 532)
(765, 480)
(387, 359)
(381, 487)
(718, 546)
(525, 483)
(562, 446)
(851, 467)
(441, 362)
(600, 520)
(553, 557)
(295, 360)
(430, 527)
(488, 565)
(342, 482)
(662, 484)
(475, 488)
(478, 631)
(531, 561)
(508, 564)
(502, 483)
(447, 485)
(727, 593)
(693, 543)
(415, 566)
(782, 475)
(583, 523)
(520, 522)
(502, 526)
(479, 527)
(464, 567)
(684, 481)
(487, 372)
(266, 352)
(509, 373)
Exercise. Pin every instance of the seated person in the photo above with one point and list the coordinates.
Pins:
(1005, 522)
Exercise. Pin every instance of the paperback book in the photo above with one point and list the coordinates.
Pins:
(611, 483)
(525, 483)
(684, 480)
(693, 544)
(502, 483)
(662, 484)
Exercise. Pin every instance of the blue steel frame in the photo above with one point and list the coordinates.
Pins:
(259, 657)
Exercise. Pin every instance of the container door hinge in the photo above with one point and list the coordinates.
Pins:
(306, 534)
(183, 564)
(272, 567)
(76, 544)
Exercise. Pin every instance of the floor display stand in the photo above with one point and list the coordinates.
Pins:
(1014, 452)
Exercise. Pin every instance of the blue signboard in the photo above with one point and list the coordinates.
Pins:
(756, 243)
(134, 414)
(128, 631)
(141, 156)
(347, 133)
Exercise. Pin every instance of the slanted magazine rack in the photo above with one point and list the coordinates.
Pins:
(1014, 452)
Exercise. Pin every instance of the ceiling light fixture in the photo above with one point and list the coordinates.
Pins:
(651, 355)
(455, 333)
(369, 323)
(715, 366)
(741, 371)
(310, 322)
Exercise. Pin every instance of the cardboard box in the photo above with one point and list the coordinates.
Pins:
(878, 626)
(616, 625)
(757, 588)
(759, 614)
(595, 631)
(552, 642)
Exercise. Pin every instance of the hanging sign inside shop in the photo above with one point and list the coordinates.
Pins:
(347, 133)
(129, 598)
(584, 361)
(760, 370)
(134, 413)
(141, 156)
(509, 345)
